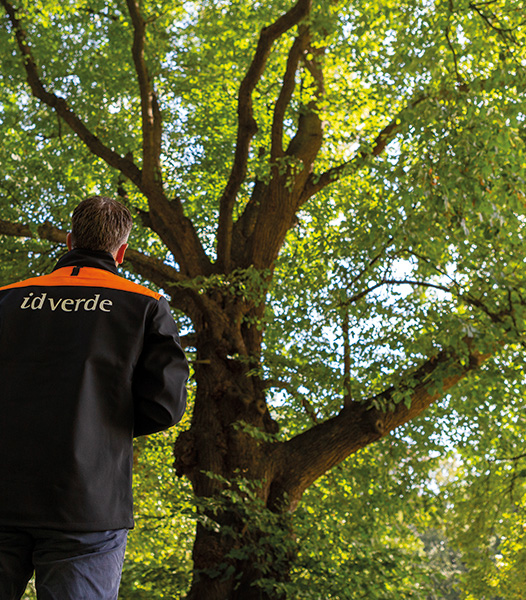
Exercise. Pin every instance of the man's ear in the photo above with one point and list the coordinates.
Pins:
(119, 255)
(69, 242)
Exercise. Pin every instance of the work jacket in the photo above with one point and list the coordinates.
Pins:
(88, 360)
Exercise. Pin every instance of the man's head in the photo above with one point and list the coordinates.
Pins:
(101, 223)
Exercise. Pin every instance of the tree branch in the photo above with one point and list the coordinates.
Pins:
(306, 144)
(303, 146)
(153, 269)
(167, 218)
(304, 458)
(189, 340)
(347, 390)
(285, 95)
(272, 209)
(247, 125)
(453, 52)
(60, 106)
(316, 183)
(505, 32)
(360, 295)
(292, 391)
(46, 231)
(150, 112)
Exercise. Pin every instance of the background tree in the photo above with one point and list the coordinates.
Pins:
(331, 195)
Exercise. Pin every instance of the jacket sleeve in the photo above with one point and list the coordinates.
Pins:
(160, 376)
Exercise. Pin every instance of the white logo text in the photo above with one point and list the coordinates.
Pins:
(65, 304)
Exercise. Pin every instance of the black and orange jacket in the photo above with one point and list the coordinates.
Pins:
(88, 360)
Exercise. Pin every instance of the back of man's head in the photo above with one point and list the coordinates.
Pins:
(100, 223)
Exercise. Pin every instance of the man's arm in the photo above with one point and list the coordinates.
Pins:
(159, 380)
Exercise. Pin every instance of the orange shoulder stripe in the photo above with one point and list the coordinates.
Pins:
(87, 277)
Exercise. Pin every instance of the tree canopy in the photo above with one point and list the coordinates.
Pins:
(332, 197)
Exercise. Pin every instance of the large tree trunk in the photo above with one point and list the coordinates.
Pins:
(231, 468)
(246, 562)
(263, 562)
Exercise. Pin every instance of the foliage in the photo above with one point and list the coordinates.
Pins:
(158, 554)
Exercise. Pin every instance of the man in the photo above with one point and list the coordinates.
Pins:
(88, 360)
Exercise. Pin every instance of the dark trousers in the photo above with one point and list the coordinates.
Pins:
(67, 565)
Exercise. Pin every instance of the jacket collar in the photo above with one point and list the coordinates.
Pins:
(87, 258)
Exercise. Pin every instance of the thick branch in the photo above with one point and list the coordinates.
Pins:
(272, 209)
(285, 95)
(46, 231)
(153, 269)
(304, 458)
(306, 144)
(189, 340)
(316, 183)
(167, 218)
(150, 113)
(247, 126)
(60, 106)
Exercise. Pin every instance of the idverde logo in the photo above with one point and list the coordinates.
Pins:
(33, 302)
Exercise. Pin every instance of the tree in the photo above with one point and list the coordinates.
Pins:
(331, 195)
